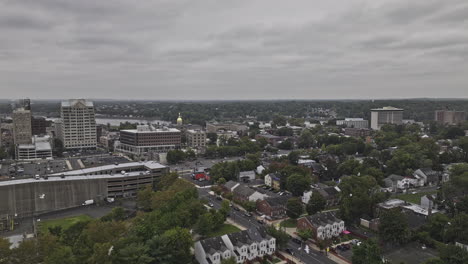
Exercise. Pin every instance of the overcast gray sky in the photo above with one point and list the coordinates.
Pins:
(239, 49)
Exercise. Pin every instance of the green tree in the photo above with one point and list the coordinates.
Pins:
(294, 208)
(60, 255)
(281, 237)
(144, 198)
(172, 247)
(367, 253)
(316, 203)
(205, 224)
(298, 183)
(306, 140)
(230, 260)
(5, 251)
(305, 234)
(134, 253)
(452, 254)
(393, 227)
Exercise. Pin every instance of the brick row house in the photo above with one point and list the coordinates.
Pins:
(323, 225)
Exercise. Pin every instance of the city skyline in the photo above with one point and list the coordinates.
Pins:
(192, 50)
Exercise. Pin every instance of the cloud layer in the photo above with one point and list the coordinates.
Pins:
(243, 49)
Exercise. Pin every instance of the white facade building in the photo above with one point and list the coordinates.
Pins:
(78, 126)
(40, 148)
(243, 246)
(353, 122)
(386, 115)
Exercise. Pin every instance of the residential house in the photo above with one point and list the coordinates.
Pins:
(429, 176)
(329, 193)
(230, 186)
(260, 169)
(212, 251)
(245, 193)
(323, 225)
(273, 180)
(274, 207)
(246, 176)
(244, 246)
(429, 202)
(250, 244)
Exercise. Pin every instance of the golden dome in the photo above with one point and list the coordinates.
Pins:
(179, 120)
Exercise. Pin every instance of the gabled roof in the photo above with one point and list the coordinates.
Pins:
(243, 190)
(230, 184)
(213, 245)
(277, 201)
(321, 219)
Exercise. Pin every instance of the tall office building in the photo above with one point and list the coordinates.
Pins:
(386, 115)
(446, 117)
(78, 126)
(22, 131)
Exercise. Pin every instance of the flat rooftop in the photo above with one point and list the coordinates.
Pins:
(70, 178)
(148, 164)
(387, 108)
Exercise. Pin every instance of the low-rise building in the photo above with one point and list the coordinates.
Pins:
(428, 176)
(324, 225)
(357, 132)
(40, 148)
(353, 123)
(147, 139)
(244, 246)
(274, 207)
(246, 176)
(245, 193)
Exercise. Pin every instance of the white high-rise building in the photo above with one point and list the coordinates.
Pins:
(78, 126)
(386, 115)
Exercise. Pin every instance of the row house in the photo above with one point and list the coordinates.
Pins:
(323, 225)
(244, 246)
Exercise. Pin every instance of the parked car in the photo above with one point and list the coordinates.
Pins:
(296, 240)
(260, 221)
(236, 208)
(219, 198)
(290, 251)
(247, 214)
(210, 204)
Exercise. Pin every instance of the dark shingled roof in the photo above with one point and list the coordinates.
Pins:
(320, 219)
(213, 245)
(277, 201)
(243, 190)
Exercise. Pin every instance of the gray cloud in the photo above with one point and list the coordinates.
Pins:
(246, 49)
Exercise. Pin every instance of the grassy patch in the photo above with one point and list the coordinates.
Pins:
(65, 223)
(292, 223)
(223, 230)
(414, 198)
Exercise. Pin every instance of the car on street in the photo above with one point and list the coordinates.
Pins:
(290, 251)
(296, 240)
(210, 204)
(247, 214)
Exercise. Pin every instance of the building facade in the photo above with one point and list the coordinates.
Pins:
(446, 117)
(147, 139)
(323, 225)
(244, 246)
(39, 125)
(40, 148)
(353, 122)
(22, 131)
(386, 115)
(78, 124)
(196, 138)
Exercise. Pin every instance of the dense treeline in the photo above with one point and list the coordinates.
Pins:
(200, 112)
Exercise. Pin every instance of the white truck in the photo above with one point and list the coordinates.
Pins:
(88, 202)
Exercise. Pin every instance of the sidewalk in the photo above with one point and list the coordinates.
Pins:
(231, 222)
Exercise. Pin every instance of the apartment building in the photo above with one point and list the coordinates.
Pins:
(78, 124)
(40, 148)
(446, 117)
(196, 138)
(386, 115)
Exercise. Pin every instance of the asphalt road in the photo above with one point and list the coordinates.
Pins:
(238, 216)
